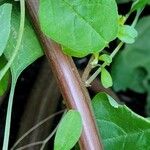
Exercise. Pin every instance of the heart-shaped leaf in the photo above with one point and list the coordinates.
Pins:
(120, 128)
(81, 26)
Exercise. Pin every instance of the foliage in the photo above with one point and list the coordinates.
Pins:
(127, 34)
(69, 131)
(106, 78)
(130, 69)
(120, 128)
(84, 27)
(24, 57)
(28, 51)
(80, 32)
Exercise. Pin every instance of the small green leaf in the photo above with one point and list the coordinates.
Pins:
(106, 78)
(5, 80)
(130, 68)
(139, 4)
(5, 18)
(80, 26)
(69, 131)
(120, 128)
(106, 58)
(127, 34)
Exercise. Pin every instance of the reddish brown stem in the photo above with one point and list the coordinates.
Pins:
(69, 81)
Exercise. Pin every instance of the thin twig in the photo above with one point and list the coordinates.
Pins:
(35, 127)
(44, 142)
(5, 69)
(30, 145)
(48, 138)
(113, 54)
(87, 70)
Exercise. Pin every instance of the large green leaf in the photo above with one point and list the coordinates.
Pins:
(69, 131)
(120, 128)
(130, 69)
(81, 26)
(30, 48)
(5, 18)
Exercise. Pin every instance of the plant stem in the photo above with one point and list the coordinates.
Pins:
(72, 88)
(8, 118)
(2, 73)
(43, 143)
(48, 138)
(112, 55)
(90, 80)
(136, 17)
(30, 145)
(87, 70)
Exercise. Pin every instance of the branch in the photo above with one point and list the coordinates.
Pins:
(73, 90)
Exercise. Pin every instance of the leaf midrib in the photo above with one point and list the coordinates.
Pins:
(84, 20)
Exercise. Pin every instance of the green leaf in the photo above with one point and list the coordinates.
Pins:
(81, 26)
(69, 131)
(106, 78)
(5, 80)
(130, 69)
(106, 58)
(5, 18)
(28, 52)
(139, 4)
(127, 34)
(120, 128)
